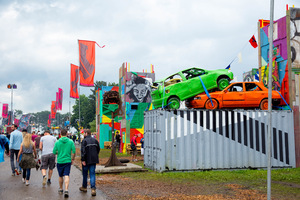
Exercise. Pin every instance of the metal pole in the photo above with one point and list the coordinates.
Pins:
(12, 113)
(270, 98)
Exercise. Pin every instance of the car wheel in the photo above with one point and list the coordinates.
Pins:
(264, 104)
(223, 83)
(213, 105)
(174, 103)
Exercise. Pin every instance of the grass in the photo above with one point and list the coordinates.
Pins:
(285, 182)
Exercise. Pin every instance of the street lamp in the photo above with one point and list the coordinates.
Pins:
(12, 86)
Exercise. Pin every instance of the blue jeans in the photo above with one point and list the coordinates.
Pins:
(26, 173)
(14, 153)
(91, 168)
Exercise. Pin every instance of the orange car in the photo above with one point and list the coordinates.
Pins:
(236, 95)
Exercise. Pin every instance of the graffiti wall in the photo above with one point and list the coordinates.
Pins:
(135, 90)
(252, 75)
(103, 116)
(295, 37)
(280, 57)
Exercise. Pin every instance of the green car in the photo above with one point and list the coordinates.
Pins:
(185, 84)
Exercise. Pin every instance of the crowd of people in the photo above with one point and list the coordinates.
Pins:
(45, 152)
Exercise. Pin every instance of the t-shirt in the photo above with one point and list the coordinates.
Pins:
(33, 137)
(64, 147)
(37, 142)
(48, 144)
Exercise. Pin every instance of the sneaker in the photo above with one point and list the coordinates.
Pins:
(13, 174)
(44, 181)
(27, 183)
(20, 171)
(49, 182)
(60, 191)
(83, 189)
(66, 194)
(16, 171)
(23, 180)
(93, 192)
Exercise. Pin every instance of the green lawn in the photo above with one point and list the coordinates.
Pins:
(285, 182)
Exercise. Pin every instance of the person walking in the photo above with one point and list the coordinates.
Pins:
(4, 147)
(37, 146)
(90, 149)
(16, 138)
(27, 149)
(118, 141)
(46, 145)
(65, 150)
(133, 144)
(142, 146)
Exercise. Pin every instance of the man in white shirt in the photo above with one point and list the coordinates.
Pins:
(48, 158)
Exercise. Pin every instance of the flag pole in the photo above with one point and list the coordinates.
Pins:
(270, 99)
(79, 94)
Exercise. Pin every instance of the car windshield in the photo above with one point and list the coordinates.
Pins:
(155, 85)
(176, 78)
(193, 72)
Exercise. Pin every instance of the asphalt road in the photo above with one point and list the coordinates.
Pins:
(12, 187)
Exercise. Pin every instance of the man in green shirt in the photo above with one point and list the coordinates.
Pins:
(65, 150)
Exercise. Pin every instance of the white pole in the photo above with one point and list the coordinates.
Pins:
(270, 99)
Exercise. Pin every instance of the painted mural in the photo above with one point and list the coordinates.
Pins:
(138, 88)
(135, 89)
(280, 57)
(295, 37)
(104, 117)
(252, 75)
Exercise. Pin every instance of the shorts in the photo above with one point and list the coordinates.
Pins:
(63, 169)
(134, 152)
(48, 161)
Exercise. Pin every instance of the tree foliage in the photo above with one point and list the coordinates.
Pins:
(87, 106)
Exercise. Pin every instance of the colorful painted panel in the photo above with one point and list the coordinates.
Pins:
(295, 38)
(280, 65)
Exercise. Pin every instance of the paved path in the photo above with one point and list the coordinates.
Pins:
(12, 187)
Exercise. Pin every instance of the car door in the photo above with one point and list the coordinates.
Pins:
(253, 95)
(234, 96)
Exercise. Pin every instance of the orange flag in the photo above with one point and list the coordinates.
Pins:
(53, 109)
(87, 62)
(74, 82)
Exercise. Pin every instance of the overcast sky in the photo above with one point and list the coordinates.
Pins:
(39, 40)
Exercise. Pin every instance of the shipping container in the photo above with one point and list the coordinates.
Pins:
(216, 139)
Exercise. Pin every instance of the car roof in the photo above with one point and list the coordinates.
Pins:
(161, 80)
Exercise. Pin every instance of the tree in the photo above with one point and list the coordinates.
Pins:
(87, 106)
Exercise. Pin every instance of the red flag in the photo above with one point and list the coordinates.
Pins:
(60, 98)
(53, 109)
(253, 41)
(74, 82)
(87, 62)
(49, 121)
(57, 101)
(5, 110)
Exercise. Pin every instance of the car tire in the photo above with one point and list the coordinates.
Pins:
(209, 106)
(173, 103)
(264, 104)
(223, 83)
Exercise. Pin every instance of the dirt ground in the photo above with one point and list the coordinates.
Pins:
(116, 186)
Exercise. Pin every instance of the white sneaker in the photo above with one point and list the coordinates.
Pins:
(23, 180)
(27, 183)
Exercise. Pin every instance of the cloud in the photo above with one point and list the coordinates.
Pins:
(39, 40)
